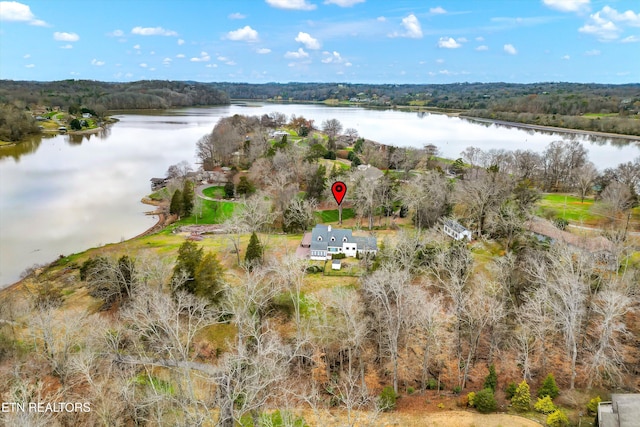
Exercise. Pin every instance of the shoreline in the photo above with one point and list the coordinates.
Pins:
(630, 138)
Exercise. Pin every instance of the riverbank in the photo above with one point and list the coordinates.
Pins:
(631, 138)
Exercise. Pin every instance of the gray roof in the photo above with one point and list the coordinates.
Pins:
(455, 226)
(336, 237)
(622, 411)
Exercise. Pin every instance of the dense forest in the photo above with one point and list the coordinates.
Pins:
(96, 95)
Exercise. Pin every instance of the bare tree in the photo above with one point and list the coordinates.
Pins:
(565, 277)
(430, 196)
(332, 127)
(257, 213)
(235, 227)
(480, 198)
(606, 360)
(386, 290)
(351, 133)
(299, 215)
(179, 171)
(585, 176)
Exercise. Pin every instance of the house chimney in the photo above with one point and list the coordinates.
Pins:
(329, 228)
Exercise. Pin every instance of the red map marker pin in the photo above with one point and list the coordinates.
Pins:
(339, 189)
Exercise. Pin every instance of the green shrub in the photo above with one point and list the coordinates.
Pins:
(549, 387)
(457, 389)
(388, 399)
(432, 384)
(281, 419)
(485, 401)
(410, 390)
(491, 381)
(592, 406)
(561, 223)
(521, 400)
(557, 419)
(338, 256)
(510, 391)
(544, 405)
(471, 398)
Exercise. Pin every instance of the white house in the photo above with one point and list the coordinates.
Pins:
(326, 241)
(456, 230)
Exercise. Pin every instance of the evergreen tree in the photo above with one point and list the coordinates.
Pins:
(184, 272)
(549, 387)
(521, 400)
(245, 186)
(485, 401)
(254, 251)
(209, 278)
(229, 190)
(491, 381)
(187, 198)
(75, 124)
(175, 207)
(317, 183)
(335, 172)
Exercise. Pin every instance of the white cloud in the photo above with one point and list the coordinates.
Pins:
(211, 65)
(630, 39)
(30, 65)
(246, 34)
(332, 57)
(412, 27)
(291, 4)
(308, 41)
(348, 64)
(566, 58)
(180, 42)
(448, 43)
(510, 49)
(128, 75)
(152, 69)
(462, 40)
(97, 63)
(74, 73)
(143, 65)
(607, 24)
(568, 5)
(594, 52)
(299, 54)
(381, 19)
(437, 11)
(136, 47)
(167, 61)
(66, 37)
(116, 33)
(14, 11)
(479, 39)
(180, 55)
(153, 31)
(344, 3)
(263, 51)
(204, 57)
(153, 52)
(482, 48)
(66, 46)
(27, 56)
(237, 16)
(439, 61)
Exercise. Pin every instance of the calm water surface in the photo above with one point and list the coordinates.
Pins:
(64, 194)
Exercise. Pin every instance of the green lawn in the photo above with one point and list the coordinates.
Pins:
(332, 215)
(213, 212)
(568, 207)
(214, 192)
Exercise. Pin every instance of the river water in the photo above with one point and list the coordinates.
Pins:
(63, 194)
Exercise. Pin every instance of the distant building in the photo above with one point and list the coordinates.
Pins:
(455, 230)
(326, 241)
(622, 411)
(335, 264)
(86, 115)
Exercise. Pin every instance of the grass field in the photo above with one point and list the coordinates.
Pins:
(213, 212)
(332, 215)
(214, 192)
(568, 207)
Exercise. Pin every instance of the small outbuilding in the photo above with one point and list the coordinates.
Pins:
(456, 230)
(336, 264)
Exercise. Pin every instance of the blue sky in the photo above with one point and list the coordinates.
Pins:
(358, 41)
